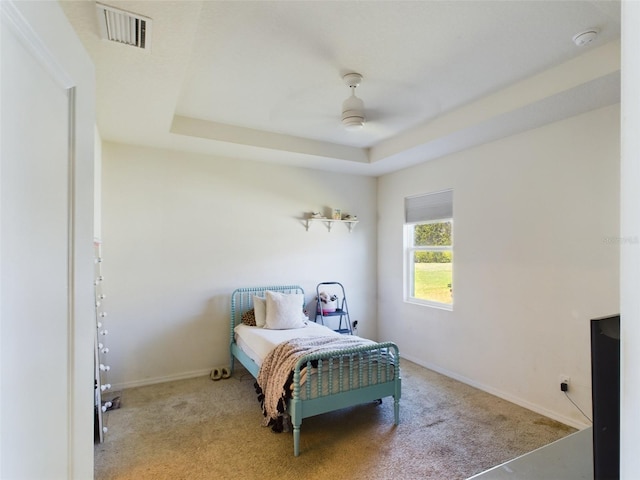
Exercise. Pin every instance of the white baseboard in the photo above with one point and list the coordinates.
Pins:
(498, 393)
(153, 381)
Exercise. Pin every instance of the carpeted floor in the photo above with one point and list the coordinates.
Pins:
(201, 429)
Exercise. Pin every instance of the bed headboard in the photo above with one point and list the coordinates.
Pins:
(242, 300)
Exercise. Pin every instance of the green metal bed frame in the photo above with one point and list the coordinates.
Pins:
(367, 378)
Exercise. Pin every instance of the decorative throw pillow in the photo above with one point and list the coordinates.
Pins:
(249, 318)
(284, 310)
(260, 309)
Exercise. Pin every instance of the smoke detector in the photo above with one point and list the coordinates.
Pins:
(353, 107)
(588, 36)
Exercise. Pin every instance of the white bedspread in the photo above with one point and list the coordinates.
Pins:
(257, 342)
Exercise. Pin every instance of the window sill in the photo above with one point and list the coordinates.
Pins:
(426, 303)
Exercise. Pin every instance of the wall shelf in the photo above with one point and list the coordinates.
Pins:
(328, 222)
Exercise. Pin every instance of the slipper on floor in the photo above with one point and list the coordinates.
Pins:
(226, 373)
(216, 374)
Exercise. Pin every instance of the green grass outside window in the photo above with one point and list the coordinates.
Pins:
(433, 282)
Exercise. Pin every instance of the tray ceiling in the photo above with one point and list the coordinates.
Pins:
(263, 80)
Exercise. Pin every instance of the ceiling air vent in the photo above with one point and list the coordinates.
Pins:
(124, 27)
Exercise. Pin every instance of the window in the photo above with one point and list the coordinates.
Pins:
(429, 249)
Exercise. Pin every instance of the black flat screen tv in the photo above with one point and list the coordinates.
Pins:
(605, 393)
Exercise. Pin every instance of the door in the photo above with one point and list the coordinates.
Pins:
(39, 412)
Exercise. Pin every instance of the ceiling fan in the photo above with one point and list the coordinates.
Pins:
(312, 109)
(353, 107)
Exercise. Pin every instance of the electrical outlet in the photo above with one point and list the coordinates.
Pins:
(564, 380)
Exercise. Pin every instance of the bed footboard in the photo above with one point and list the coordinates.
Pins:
(327, 381)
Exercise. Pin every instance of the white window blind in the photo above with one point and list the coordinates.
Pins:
(429, 207)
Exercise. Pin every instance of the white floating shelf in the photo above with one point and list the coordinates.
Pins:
(328, 222)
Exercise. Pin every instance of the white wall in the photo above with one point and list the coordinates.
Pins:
(535, 258)
(97, 186)
(182, 231)
(630, 253)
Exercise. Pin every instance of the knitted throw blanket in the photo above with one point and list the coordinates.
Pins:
(276, 372)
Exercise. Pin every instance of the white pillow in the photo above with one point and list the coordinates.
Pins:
(260, 310)
(284, 310)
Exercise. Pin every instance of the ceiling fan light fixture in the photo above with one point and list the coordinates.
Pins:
(353, 107)
(353, 113)
(353, 122)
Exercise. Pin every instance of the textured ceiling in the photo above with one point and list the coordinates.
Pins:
(263, 80)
